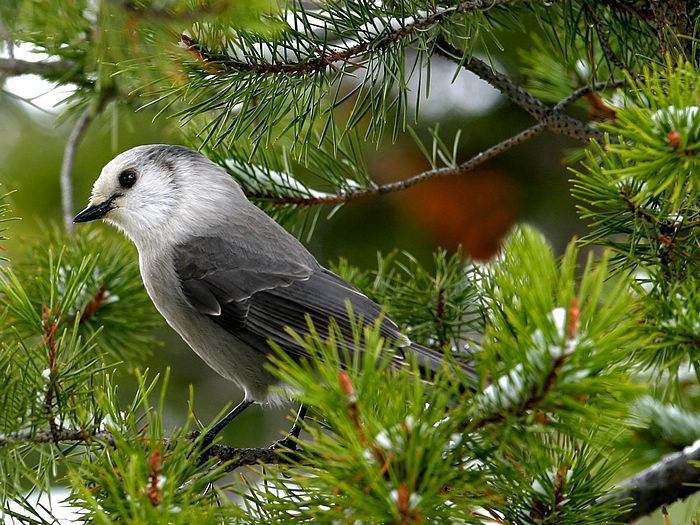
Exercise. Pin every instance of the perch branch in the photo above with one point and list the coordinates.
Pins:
(234, 457)
(671, 479)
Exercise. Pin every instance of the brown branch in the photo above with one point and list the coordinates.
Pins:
(94, 305)
(221, 63)
(461, 169)
(673, 478)
(49, 326)
(60, 436)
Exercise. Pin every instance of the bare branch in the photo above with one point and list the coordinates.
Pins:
(58, 71)
(461, 169)
(610, 54)
(66, 178)
(674, 478)
(556, 121)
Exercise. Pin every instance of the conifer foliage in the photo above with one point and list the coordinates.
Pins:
(587, 364)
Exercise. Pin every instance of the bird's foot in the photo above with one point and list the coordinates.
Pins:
(205, 447)
(288, 443)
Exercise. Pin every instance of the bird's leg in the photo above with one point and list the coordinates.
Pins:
(290, 440)
(221, 423)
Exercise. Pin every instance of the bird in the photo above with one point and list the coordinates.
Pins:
(226, 276)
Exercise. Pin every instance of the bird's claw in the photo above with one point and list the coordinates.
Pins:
(288, 443)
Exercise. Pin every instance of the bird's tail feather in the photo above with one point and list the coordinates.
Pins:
(431, 362)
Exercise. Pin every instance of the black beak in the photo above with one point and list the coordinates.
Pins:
(92, 213)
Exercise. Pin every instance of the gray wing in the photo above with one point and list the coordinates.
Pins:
(255, 296)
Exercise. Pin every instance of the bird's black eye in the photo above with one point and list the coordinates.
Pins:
(127, 178)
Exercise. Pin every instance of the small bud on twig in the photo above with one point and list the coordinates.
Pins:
(674, 139)
(572, 318)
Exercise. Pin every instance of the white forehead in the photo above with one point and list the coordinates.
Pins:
(149, 159)
(158, 155)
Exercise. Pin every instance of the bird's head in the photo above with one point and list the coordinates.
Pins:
(155, 190)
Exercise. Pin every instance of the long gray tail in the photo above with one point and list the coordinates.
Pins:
(431, 361)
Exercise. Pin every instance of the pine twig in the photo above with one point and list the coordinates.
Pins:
(537, 395)
(604, 41)
(66, 177)
(556, 121)
(373, 191)
(49, 325)
(97, 301)
(235, 457)
(64, 435)
(587, 90)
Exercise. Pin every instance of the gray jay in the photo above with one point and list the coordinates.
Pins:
(222, 273)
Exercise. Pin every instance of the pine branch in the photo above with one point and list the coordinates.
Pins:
(604, 42)
(59, 70)
(556, 121)
(235, 457)
(461, 169)
(219, 63)
(674, 478)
